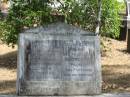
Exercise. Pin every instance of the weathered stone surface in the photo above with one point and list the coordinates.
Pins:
(58, 59)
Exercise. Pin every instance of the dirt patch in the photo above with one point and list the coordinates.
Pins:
(8, 64)
(115, 68)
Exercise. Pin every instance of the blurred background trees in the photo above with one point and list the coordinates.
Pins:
(24, 14)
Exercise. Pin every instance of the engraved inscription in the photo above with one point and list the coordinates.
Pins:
(67, 60)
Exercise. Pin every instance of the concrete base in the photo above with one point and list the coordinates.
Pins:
(103, 95)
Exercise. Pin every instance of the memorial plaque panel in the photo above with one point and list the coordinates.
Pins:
(58, 60)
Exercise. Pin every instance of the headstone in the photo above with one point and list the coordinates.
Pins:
(58, 59)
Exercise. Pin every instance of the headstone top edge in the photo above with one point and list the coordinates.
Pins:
(58, 28)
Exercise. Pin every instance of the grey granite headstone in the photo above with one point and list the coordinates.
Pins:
(58, 59)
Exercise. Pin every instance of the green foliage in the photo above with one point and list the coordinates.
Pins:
(83, 13)
(23, 14)
(8, 33)
(110, 18)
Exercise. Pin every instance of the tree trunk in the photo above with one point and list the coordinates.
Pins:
(128, 41)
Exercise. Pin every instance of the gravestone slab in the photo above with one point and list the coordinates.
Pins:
(58, 59)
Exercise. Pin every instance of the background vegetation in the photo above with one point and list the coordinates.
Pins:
(83, 13)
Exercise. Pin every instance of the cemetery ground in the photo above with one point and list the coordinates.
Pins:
(115, 67)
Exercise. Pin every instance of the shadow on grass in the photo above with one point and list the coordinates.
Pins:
(124, 51)
(8, 87)
(114, 81)
(9, 60)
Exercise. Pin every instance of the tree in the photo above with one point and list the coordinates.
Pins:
(81, 13)
(110, 18)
